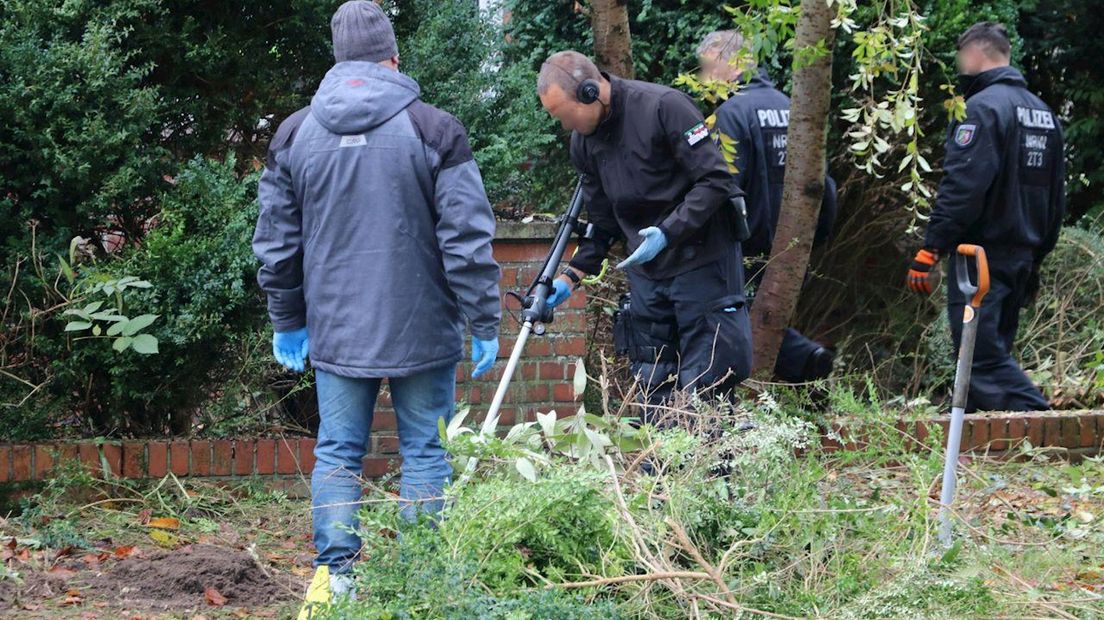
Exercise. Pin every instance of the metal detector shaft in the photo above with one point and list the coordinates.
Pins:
(536, 311)
(491, 421)
(962, 377)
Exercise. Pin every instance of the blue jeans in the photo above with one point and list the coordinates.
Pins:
(346, 406)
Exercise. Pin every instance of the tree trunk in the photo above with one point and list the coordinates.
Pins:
(802, 190)
(609, 19)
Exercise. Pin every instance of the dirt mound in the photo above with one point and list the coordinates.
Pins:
(182, 577)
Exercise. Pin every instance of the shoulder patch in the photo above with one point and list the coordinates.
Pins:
(964, 134)
(696, 134)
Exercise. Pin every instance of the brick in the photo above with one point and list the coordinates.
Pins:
(201, 458)
(1071, 431)
(243, 457)
(68, 454)
(563, 393)
(555, 371)
(22, 462)
(43, 461)
(998, 433)
(527, 371)
(538, 393)
(134, 459)
(384, 421)
(287, 455)
(922, 432)
(179, 457)
(158, 459)
(375, 467)
(387, 444)
(578, 300)
(113, 454)
(1089, 438)
(1035, 429)
(266, 456)
(535, 347)
(476, 397)
(90, 457)
(573, 347)
(507, 416)
(508, 252)
(979, 433)
(1052, 431)
(306, 455)
(1017, 431)
(222, 457)
(5, 463)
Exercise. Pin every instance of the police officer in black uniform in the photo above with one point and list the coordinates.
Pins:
(651, 176)
(757, 118)
(1003, 188)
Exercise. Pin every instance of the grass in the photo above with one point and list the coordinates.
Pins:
(727, 524)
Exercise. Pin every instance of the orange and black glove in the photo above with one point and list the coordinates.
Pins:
(920, 272)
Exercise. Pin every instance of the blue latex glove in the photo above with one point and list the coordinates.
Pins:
(291, 348)
(653, 243)
(484, 353)
(560, 292)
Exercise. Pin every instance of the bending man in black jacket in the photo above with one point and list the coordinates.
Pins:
(1003, 188)
(653, 177)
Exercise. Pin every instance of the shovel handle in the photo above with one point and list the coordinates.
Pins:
(982, 288)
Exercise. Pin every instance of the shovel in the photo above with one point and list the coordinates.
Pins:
(962, 375)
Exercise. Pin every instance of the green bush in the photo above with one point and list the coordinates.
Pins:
(197, 257)
(80, 143)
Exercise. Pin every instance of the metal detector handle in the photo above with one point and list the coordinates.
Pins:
(968, 288)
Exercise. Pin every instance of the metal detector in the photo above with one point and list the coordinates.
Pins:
(535, 313)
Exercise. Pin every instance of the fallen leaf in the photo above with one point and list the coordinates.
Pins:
(125, 551)
(163, 538)
(62, 572)
(165, 523)
(214, 597)
(144, 516)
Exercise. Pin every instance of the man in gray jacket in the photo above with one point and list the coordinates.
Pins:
(375, 237)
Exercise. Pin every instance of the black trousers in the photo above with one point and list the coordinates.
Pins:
(690, 331)
(792, 362)
(997, 383)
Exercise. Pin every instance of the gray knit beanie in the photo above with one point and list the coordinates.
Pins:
(361, 31)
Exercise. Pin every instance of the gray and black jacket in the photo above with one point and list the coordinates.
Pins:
(374, 230)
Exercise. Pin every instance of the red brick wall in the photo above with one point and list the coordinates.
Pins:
(1075, 432)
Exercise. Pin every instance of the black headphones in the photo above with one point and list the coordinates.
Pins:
(586, 91)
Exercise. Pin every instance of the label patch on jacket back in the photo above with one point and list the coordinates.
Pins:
(359, 140)
(696, 134)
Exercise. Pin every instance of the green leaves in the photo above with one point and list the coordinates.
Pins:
(125, 332)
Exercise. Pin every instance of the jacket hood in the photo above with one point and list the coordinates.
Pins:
(356, 96)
